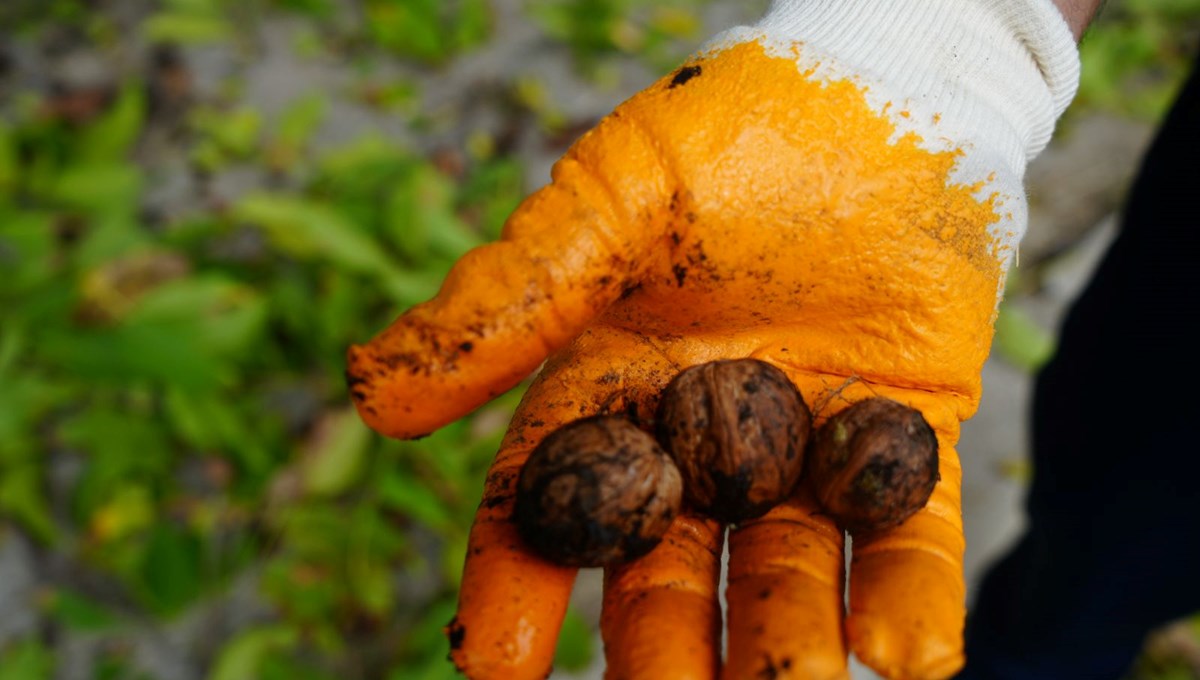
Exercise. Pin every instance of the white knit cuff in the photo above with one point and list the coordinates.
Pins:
(989, 74)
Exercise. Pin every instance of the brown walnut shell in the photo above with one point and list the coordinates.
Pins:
(737, 430)
(596, 492)
(873, 465)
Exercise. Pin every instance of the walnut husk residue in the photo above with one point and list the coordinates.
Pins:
(873, 465)
(596, 492)
(737, 429)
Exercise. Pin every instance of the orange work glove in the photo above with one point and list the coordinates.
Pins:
(836, 191)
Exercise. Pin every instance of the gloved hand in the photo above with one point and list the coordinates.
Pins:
(836, 191)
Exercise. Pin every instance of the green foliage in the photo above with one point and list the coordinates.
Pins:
(225, 136)
(199, 390)
(25, 15)
(574, 651)
(26, 661)
(313, 8)
(597, 29)
(428, 30)
(1170, 653)
(1020, 341)
(248, 654)
(78, 612)
(290, 139)
(1136, 55)
(189, 22)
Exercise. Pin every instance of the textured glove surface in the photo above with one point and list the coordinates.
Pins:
(758, 202)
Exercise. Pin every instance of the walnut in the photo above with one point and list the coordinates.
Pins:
(873, 465)
(737, 430)
(597, 491)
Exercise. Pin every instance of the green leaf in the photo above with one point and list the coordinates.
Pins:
(24, 399)
(428, 635)
(242, 657)
(493, 190)
(309, 230)
(313, 231)
(115, 433)
(1021, 341)
(171, 573)
(411, 28)
(403, 223)
(1136, 56)
(454, 555)
(110, 236)
(235, 133)
(575, 649)
(27, 660)
(420, 217)
(472, 24)
(191, 417)
(23, 497)
(111, 138)
(98, 187)
(223, 317)
(371, 155)
(336, 456)
(291, 294)
(186, 28)
(79, 612)
(306, 594)
(430, 667)
(12, 341)
(375, 545)
(402, 493)
(194, 6)
(347, 311)
(208, 155)
(126, 453)
(123, 509)
(371, 581)
(115, 663)
(8, 160)
(279, 667)
(156, 353)
(212, 422)
(314, 531)
(27, 247)
(314, 8)
(301, 119)
(588, 26)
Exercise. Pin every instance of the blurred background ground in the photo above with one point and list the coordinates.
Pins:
(203, 202)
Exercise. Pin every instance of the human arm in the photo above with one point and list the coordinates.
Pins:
(1078, 13)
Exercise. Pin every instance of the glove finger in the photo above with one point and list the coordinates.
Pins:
(907, 597)
(567, 253)
(512, 601)
(785, 595)
(661, 618)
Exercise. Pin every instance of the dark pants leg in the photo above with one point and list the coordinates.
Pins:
(1113, 545)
